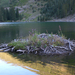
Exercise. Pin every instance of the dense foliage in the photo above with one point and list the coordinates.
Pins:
(57, 9)
(50, 9)
(7, 3)
(10, 14)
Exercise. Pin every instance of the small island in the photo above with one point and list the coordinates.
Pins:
(42, 44)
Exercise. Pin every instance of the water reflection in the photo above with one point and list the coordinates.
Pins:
(10, 69)
(43, 65)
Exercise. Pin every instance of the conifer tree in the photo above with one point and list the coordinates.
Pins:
(17, 14)
(12, 14)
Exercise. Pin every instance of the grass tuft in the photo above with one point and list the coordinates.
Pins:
(34, 40)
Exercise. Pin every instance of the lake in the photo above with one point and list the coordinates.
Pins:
(28, 64)
(13, 30)
(10, 69)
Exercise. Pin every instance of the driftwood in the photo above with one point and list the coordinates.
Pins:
(23, 51)
(3, 49)
(61, 47)
(49, 50)
(3, 45)
(7, 50)
(12, 49)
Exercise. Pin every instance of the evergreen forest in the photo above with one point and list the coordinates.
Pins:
(57, 9)
(48, 9)
(10, 14)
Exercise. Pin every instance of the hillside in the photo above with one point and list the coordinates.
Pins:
(42, 10)
(55, 9)
(31, 10)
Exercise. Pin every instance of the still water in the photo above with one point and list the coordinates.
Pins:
(11, 66)
(33, 64)
(29, 64)
(13, 30)
(10, 69)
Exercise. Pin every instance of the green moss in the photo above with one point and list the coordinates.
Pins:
(14, 43)
(18, 45)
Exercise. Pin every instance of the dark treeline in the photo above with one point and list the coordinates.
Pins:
(10, 14)
(57, 9)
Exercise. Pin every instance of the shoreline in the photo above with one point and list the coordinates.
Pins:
(60, 20)
(70, 18)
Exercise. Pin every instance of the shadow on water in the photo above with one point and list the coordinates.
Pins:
(48, 65)
(70, 62)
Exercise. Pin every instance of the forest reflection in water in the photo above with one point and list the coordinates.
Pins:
(43, 65)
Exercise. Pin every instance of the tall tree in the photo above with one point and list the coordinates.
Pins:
(12, 14)
(17, 14)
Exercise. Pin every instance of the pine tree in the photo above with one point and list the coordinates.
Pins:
(17, 14)
(7, 14)
(0, 15)
(12, 14)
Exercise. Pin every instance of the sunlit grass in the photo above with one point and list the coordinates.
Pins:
(18, 45)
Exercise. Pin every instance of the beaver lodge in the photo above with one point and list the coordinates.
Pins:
(42, 44)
